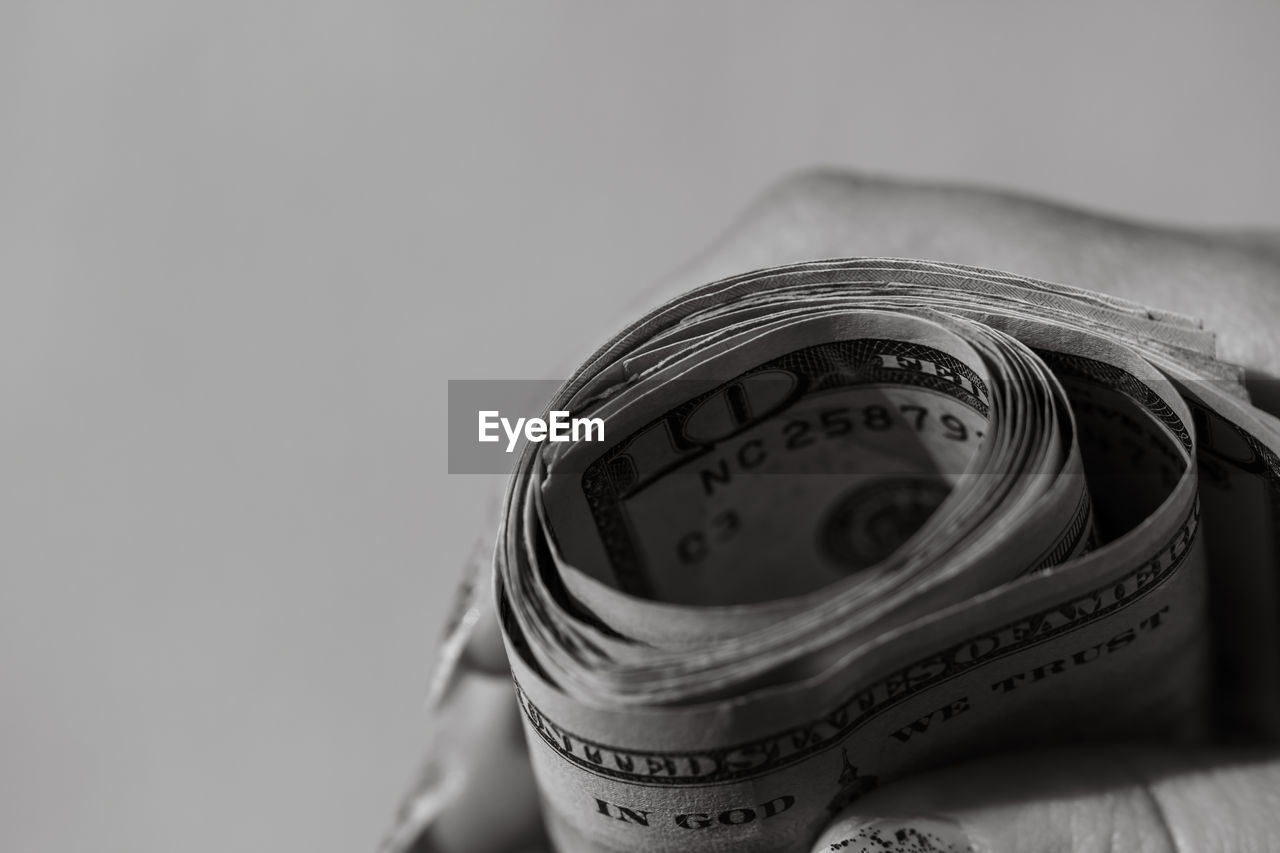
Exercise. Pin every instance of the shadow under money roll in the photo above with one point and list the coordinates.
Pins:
(852, 519)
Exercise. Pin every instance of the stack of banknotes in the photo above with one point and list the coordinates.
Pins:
(853, 519)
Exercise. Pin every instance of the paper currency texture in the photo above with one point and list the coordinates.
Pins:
(856, 518)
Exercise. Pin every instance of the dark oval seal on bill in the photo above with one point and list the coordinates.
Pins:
(871, 521)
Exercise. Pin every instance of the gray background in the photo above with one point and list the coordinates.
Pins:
(244, 244)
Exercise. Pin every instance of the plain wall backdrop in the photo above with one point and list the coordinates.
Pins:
(243, 245)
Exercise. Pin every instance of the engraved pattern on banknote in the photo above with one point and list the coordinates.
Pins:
(760, 757)
(822, 367)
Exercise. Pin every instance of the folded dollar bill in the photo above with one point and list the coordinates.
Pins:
(852, 519)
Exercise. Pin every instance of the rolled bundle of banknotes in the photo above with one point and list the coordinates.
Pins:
(852, 519)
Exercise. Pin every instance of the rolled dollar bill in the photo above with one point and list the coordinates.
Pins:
(852, 519)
